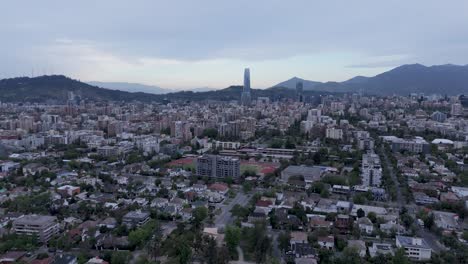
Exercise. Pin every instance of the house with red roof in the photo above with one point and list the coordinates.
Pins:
(219, 187)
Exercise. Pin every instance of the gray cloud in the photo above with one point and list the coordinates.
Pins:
(427, 31)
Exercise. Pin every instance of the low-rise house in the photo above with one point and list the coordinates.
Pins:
(111, 206)
(449, 197)
(33, 168)
(109, 223)
(199, 188)
(97, 260)
(343, 222)
(257, 216)
(326, 206)
(365, 225)
(264, 205)
(159, 203)
(298, 238)
(214, 197)
(380, 249)
(186, 213)
(305, 260)
(178, 203)
(317, 222)
(341, 189)
(327, 242)
(421, 198)
(65, 259)
(68, 190)
(343, 207)
(300, 246)
(461, 192)
(143, 202)
(12, 257)
(220, 188)
(446, 220)
(390, 228)
(170, 210)
(359, 245)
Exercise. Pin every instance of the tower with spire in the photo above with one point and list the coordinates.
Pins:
(246, 98)
(300, 92)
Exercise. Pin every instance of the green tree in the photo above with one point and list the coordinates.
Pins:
(284, 239)
(199, 215)
(210, 132)
(372, 216)
(400, 257)
(120, 257)
(141, 235)
(360, 213)
(232, 237)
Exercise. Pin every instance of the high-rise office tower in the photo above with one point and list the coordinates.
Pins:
(245, 96)
(300, 92)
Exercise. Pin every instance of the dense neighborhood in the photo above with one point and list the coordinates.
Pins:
(345, 178)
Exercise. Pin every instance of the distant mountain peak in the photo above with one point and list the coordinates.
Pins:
(291, 83)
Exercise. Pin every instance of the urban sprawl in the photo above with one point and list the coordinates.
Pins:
(343, 178)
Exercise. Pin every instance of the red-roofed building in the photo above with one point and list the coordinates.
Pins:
(264, 206)
(219, 187)
(43, 261)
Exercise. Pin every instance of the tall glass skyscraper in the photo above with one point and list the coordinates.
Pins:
(245, 96)
(300, 92)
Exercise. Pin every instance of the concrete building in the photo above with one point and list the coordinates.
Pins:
(226, 145)
(438, 116)
(364, 140)
(42, 226)
(415, 145)
(371, 170)
(215, 166)
(108, 151)
(415, 248)
(135, 218)
(456, 109)
(334, 133)
(309, 173)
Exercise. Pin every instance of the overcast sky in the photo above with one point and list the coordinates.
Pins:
(199, 43)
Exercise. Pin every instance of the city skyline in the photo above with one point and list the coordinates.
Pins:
(179, 45)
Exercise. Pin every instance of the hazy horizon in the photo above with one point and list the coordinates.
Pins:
(186, 44)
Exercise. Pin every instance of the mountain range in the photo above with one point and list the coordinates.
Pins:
(55, 88)
(413, 78)
(131, 87)
(143, 88)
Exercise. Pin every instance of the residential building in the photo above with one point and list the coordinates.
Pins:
(44, 227)
(415, 248)
(135, 218)
(371, 170)
(215, 166)
(334, 133)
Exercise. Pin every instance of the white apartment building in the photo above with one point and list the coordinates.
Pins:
(334, 133)
(415, 248)
(371, 170)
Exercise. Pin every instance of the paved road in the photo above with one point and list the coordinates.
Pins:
(429, 237)
(389, 167)
(274, 244)
(241, 257)
(225, 218)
